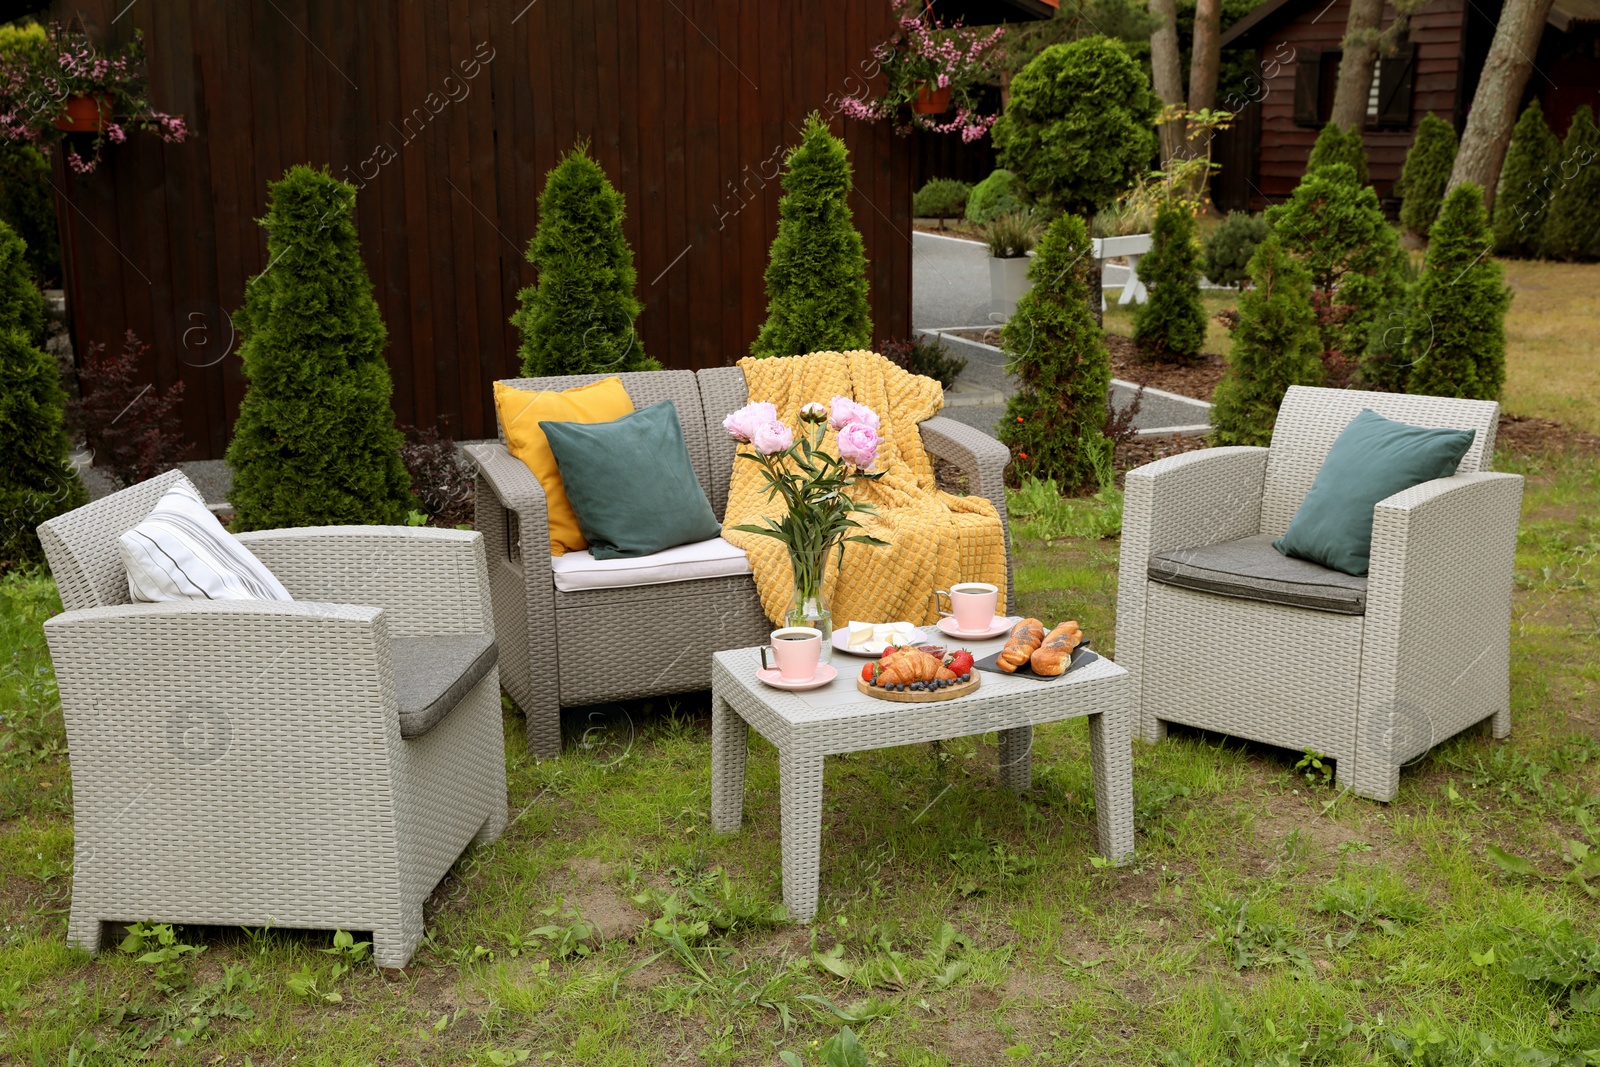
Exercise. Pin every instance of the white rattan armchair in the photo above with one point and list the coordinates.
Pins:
(267, 763)
(1419, 652)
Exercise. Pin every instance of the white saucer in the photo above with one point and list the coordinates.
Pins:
(1001, 624)
(824, 675)
(872, 649)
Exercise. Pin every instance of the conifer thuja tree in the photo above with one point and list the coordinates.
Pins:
(316, 442)
(1335, 227)
(1456, 341)
(1533, 164)
(37, 480)
(1171, 325)
(1571, 229)
(817, 273)
(1426, 173)
(1335, 145)
(577, 318)
(1054, 423)
(1275, 345)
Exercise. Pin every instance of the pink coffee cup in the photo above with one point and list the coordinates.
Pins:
(972, 604)
(798, 650)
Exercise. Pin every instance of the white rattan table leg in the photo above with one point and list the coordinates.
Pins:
(730, 739)
(800, 797)
(1111, 752)
(1016, 759)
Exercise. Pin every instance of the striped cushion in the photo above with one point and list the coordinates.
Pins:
(181, 552)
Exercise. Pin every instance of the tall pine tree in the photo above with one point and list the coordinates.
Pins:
(37, 480)
(1456, 338)
(1054, 423)
(1571, 230)
(577, 318)
(316, 442)
(1171, 324)
(1275, 345)
(1527, 181)
(1426, 173)
(817, 275)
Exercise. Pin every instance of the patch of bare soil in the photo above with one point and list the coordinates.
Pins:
(1531, 436)
(1142, 450)
(1198, 380)
(595, 897)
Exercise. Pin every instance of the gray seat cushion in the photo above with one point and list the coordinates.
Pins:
(1252, 569)
(432, 674)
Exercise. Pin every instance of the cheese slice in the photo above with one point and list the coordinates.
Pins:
(861, 632)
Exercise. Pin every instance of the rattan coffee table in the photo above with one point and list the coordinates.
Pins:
(807, 727)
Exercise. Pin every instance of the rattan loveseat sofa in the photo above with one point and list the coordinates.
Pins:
(577, 637)
(319, 763)
(1371, 671)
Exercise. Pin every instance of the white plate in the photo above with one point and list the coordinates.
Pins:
(872, 649)
(1000, 625)
(824, 675)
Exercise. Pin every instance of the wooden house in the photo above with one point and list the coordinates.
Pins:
(446, 115)
(1434, 69)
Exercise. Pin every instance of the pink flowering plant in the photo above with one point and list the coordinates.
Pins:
(925, 55)
(813, 484)
(38, 81)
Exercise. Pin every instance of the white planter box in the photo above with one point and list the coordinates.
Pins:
(1132, 246)
(1008, 281)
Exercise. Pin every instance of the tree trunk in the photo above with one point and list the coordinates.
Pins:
(1494, 105)
(1168, 73)
(1207, 55)
(1355, 67)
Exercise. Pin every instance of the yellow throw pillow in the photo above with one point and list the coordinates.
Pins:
(521, 411)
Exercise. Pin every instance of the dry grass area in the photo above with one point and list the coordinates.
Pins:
(1550, 341)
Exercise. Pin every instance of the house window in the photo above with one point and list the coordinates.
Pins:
(1316, 81)
(1372, 94)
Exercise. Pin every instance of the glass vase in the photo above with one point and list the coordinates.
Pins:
(808, 607)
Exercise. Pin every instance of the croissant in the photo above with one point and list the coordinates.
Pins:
(1055, 655)
(912, 665)
(1026, 636)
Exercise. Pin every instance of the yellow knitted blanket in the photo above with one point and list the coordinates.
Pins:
(935, 538)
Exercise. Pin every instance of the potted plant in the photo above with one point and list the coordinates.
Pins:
(930, 67)
(63, 87)
(1123, 229)
(1010, 238)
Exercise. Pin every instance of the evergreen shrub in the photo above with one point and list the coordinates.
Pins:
(1457, 342)
(1571, 229)
(577, 317)
(1335, 227)
(28, 207)
(1527, 179)
(315, 443)
(37, 479)
(941, 198)
(1275, 345)
(998, 194)
(1337, 146)
(1078, 128)
(1426, 173)
(817, 273)
(1171, 324)
(1231, 246)
(1054, 423)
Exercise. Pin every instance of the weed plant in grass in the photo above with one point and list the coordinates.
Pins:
(1265, 919)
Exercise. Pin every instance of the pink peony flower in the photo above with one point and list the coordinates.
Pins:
(742, 424)
(772, 437)
(847, 412)
(858, 444)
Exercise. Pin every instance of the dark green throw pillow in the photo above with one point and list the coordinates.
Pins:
(631, 483)
(1373, 459)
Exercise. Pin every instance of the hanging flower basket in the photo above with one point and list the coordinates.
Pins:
(931, 101)
(85, 114)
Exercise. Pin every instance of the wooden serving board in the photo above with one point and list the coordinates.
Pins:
(919, 696)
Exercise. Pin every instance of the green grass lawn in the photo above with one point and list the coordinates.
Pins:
(1266, 919)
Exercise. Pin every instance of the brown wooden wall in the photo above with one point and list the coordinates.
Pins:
(1285, 146)
(447, 114)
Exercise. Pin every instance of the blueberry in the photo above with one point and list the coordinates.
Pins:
(966, 677)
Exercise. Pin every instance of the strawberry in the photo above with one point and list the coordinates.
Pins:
(868, 673)
(960, 662)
